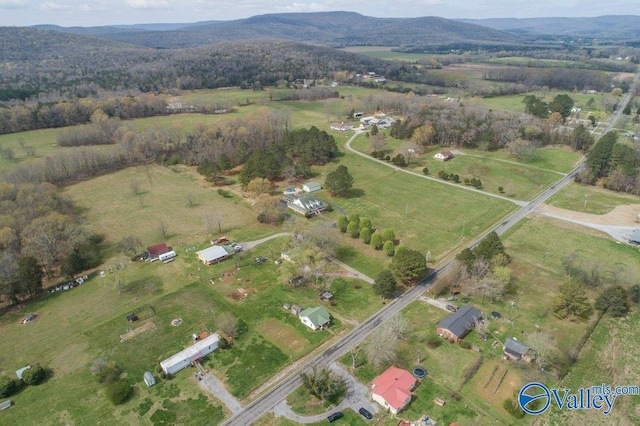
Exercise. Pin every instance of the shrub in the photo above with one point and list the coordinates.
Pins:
(329, 208)
(425, 171)
(354, 217)
(8, 386)
(353, 230)
(464, 345)
(434, 341)
(377, 241)
(242, 327)
(389, 235)
(389, 249)
(224, 193)
(118, 391)
(365, 235)
(513, 408)
(342, 223)
(33, 376)
(365, 222)
(501, 190)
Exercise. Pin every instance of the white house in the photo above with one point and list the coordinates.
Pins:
(315, 318)
(311, 187)
(193, 353)
(444, 156)
(341, 127)
(306, 205)
(214, 254)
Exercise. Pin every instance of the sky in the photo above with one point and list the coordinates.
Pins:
(87, 13)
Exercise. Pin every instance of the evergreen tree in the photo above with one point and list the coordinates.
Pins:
(572, 300)
(385, 284)
(342, 223)
(339, 182)
(365, 235)
(29, 276)
(389, 248)
(489, 247)
(614, 301)
(377, 241)
(408, 265)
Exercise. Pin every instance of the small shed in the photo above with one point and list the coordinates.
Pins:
(311, 187)
(326, 296)
(295, 309)
(5, 404)
(287, 306)
(21, 371)
(132, 317)
(149, 379)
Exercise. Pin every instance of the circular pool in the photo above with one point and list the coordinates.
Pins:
(419, 372)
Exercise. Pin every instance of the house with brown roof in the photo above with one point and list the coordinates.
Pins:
(444, 156)
(392, 389)
(156, 250)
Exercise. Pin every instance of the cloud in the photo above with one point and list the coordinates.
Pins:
(50, 5)
(13, 4)
(147, 4)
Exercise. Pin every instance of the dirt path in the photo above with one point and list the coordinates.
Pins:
(618, 223)
(625, 215)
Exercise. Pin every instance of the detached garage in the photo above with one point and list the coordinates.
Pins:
(193, 353)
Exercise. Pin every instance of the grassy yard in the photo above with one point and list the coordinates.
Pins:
(590, 199)
(425, 215)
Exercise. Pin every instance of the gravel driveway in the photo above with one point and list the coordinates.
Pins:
(357, 396)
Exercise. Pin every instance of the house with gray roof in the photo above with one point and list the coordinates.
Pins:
(306, 205)
(516, 350)
(458, 324)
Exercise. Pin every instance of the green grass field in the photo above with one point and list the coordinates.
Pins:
(590, 199)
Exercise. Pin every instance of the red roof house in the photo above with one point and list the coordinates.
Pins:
(157, 250)
(392, 389)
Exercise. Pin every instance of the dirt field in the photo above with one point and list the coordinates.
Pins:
(286, 338)
(624, 215)
(133, 333)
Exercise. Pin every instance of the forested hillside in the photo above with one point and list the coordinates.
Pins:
(336, 29)
(36, 61)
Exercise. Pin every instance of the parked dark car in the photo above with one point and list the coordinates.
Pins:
(365, 413)
(335, 416)
(450, 308)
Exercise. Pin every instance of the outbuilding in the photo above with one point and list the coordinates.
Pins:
(149, 379)
(635, 236)
(193, 353)
(311, 187)
(214, 254)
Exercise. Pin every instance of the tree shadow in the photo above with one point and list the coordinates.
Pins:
(145, 285)
(355, 193)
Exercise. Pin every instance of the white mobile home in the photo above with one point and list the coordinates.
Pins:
(166, 256)
(193, 353)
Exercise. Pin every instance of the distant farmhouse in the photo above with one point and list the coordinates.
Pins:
(307, 205)
(380, 120)
(341, 127)
(444, 156)
(457, 325)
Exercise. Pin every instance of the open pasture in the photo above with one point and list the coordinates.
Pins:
(157, 204)
(425, 215)
(590, 199)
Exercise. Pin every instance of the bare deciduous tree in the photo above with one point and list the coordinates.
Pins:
(228, 324)
(163, 229)
(542, 344)
(134, 185)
